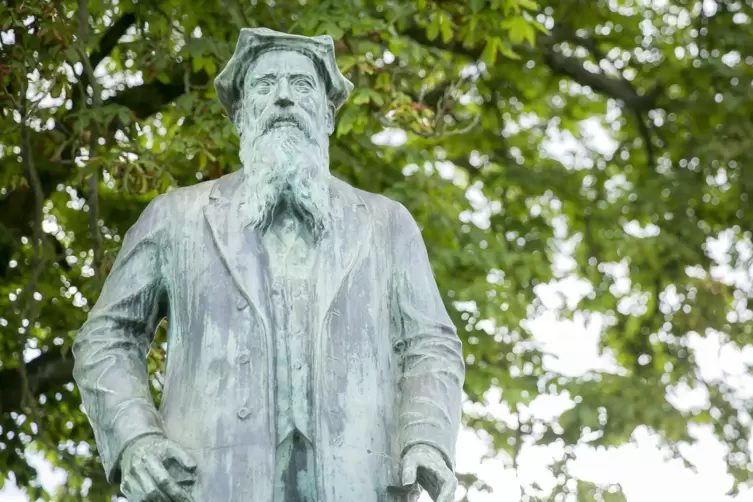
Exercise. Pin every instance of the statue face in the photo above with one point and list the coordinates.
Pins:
(284, 90)
(285, 120)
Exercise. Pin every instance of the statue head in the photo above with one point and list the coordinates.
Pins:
(282, 92)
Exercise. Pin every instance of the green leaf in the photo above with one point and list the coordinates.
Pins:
(331, 29)
(382, 81)
(528, 4)
(445, 26)
(519, 30)
(489, 54)
(359, 98)
(477, 5)
(433, 30)
(375, 96)
(347, 120)
(163, 77)
(507, 52)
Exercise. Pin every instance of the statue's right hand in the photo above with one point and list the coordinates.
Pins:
(154, 468)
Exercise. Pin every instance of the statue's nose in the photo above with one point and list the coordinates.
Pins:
(283, 99)
(283, 102)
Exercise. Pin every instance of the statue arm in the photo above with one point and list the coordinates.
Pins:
(433, 366)
(111, 347)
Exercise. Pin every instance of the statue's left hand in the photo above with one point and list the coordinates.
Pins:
(425, 464)
(156, 469)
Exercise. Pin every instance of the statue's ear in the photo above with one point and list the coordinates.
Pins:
(330, 117)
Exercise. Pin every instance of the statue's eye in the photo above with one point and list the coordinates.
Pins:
(302, 85)
(263, 86)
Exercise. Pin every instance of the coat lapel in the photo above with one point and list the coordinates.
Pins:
(239, 248)
(343, 245)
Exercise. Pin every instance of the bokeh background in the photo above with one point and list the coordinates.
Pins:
(580, 170)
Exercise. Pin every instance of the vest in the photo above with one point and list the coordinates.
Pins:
(289, 279)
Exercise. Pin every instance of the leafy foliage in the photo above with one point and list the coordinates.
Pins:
(109, 102)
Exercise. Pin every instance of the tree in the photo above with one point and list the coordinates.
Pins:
(107, 103)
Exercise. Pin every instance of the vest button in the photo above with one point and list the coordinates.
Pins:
(399, 346)
(298, 365)
(244, 358)
(244, 413)
(241, 303)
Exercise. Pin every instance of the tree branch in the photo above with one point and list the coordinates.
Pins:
(30, 310)
(647, 139)
(93, 181)
(558, 63)
(106, 44)
(148, 99)
(111, 37)
(571, 67)
(618, 88)
(46, 373)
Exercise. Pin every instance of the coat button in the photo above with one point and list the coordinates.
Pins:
(244, 413)
(298, 365)
(398, 346)
(244, 358)
(241, 303)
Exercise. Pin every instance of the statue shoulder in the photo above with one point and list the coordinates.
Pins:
(175, 208)
(184, 200)
(380, 206)
(403, 223)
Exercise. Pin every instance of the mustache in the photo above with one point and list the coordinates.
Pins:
(286, 118)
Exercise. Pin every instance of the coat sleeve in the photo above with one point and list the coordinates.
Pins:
(110, 349)
(433, 368)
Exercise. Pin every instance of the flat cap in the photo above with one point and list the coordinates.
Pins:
(255, 41)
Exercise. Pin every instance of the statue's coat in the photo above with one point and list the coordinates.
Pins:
(387, 362)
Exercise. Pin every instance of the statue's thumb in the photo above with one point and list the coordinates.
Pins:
(409, 472)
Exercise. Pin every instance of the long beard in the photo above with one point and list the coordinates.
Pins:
(285, 168)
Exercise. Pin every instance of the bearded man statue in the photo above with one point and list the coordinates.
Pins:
(310, 357)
